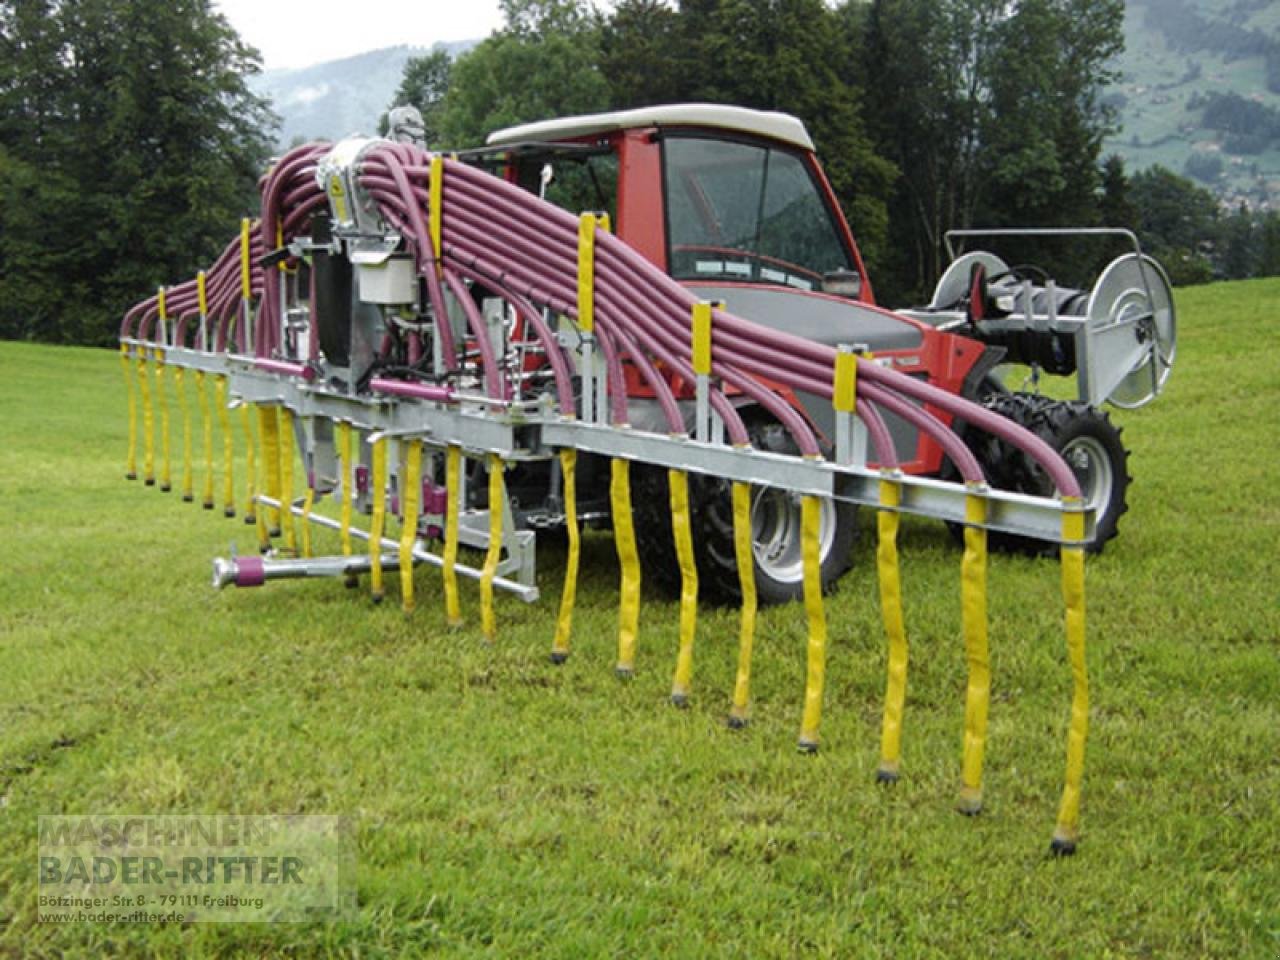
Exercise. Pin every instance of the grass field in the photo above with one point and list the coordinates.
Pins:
(506, 807)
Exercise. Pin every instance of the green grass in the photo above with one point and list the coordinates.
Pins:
(506, 807)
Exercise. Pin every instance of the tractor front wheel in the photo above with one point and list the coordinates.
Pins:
(775, 533)
(1086, 439)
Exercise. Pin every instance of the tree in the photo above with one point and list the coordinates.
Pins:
(640, 54)
(541, 64)
(769, 54)
(129, 147)
(1044, 131)
(784, 55)
(424, 85)
(1115, 207)
(991, 110)
(1178, 222)
(1241, 244)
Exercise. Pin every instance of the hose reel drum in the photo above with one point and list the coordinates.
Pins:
(1119, 337)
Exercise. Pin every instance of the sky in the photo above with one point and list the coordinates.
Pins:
(295, 35)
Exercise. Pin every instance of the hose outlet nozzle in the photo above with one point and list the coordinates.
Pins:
(240, 571)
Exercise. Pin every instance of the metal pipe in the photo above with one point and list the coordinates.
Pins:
(254, 571)
(302, 370)
(419, 391)
(526, 593)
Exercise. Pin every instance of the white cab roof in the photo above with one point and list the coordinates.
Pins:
(779, 126)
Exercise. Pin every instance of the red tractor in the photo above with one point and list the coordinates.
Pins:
(734, 204)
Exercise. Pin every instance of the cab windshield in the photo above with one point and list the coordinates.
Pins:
(746, 212)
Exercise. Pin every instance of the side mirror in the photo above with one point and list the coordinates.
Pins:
(843, 283)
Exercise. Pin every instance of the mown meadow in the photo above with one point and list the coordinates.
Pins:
(504, 806)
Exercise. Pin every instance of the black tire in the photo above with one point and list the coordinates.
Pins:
(1087, 439)
(775, 522)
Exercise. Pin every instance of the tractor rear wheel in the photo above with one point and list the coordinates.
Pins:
(1085, 437)
(775, 532)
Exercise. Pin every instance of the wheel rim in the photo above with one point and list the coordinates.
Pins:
(775, 534)
(1088, 460)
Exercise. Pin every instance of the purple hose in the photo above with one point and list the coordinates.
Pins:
(495, 383)
(783, 411)
(886, 452)
(392, 207)
(420, 391)
(390, 161)
(520, 266)
(508, 274)
(456, 252)
(559, 365)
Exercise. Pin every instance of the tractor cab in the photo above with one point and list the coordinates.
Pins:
(709, 193)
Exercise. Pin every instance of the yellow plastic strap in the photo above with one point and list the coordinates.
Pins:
(379, 521)
(973, 603)
(164, 315)
(206, 422)
(202, 297)
(339, 197)
(453, 487)
(269, 432)
(844, 396)
(624, 538)
(283, 265)
(308, 502)
(251, 466)
(180, 386)
(267, 455)
(1068, 828)
(564, 622)
(702, 339)
(810, 523)
(587, 272)
(410, 503)
(497, 500)
(286, 479)
(131, 460)
(228, 446)
(894, 628)
(747, 582)
(246, 274)
(148, 420)
(435, 211)
(682, 529)
(162, 401)
(348, 479)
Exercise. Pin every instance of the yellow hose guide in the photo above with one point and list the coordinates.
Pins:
(973, 605)
(564, 622)
(497, 498)
(453, 487)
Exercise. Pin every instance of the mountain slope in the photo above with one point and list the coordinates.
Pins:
(330, 100)
(1199, 93)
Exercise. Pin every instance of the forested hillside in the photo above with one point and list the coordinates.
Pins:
(1199, 93)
